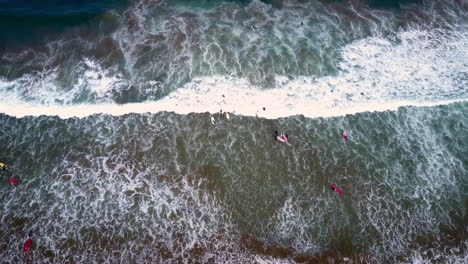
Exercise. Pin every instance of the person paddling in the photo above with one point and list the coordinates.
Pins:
(28, 242)
(3, 166)
(281, 137)
(335, 188)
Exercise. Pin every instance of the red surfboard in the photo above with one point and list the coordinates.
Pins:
(13, 181)
(336, 189)
(27, 245)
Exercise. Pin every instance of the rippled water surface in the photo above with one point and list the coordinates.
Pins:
(106, 115)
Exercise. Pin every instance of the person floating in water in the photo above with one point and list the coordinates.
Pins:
(334, 188)
(281, 137)
(3, 166)
(365, 96)
(345, 136)
(28, 242)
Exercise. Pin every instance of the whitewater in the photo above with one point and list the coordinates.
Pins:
(106, 126)
(420, 67)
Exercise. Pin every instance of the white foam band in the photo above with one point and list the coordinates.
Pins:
(277, 104)
(421, 68)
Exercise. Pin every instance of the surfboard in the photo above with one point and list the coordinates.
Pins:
(13, 181)
(213, 120)
(227, 115)
(27, 245)
(335, 188)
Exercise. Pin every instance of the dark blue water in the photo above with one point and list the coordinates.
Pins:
(26, 22)
(29, 21)
(392, 3)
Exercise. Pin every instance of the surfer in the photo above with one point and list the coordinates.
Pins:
(28, 242)
(365, 96)
(281, 137)
(3, 166)
(334, 188)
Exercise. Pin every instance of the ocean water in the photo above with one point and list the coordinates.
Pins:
(106, 107)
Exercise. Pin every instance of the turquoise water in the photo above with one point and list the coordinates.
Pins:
(102, 180)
